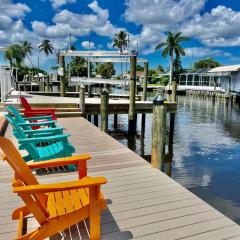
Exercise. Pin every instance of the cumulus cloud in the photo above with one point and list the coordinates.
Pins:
(59, 3)
(216, 28)
(11, 21)
(78, 24)
(206, 52)
(164, 13)
(88, 45)
(17, 10)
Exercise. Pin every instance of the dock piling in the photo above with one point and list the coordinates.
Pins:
(96, 120)
(131, 113)
(82, 99)
(115, 121)
(62, 75)
(104, 109)
(158, 131)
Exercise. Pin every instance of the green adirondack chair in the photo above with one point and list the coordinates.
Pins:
(41, 148)
(47, 126)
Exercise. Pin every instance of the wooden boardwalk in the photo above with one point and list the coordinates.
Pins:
(143, 203)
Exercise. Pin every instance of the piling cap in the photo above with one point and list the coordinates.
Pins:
(159, 99)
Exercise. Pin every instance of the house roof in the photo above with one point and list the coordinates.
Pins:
(230, 68)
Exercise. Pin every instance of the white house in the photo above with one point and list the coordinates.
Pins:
(225, 77)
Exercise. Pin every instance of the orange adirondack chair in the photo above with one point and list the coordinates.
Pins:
(55, 206)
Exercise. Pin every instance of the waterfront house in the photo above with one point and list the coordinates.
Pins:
(223, 78)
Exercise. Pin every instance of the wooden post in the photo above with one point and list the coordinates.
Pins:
(158, 132)
(82, 99)
(96, 120)
(104, 109)
(62, 75)
(169, 156)
(131, 113)
(174, 90)
(48, 84)
(89, 91)
(144, 96)
(115, 121)
(145, 82)
(89, 117)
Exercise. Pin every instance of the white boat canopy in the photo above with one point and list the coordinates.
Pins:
(95, 54)
(82, 80)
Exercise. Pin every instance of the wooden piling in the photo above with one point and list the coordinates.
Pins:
(131, 113)
(169, 156)
(144, 96)
(82, 99)
(96, 120)
(89, 118)
(62, 75)
(158, 133)
(104, 109)
(145, 82)
(115, 121)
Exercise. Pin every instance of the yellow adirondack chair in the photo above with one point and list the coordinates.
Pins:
(55, 206)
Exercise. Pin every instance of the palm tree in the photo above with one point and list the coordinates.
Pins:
(46, 46)
(120, 41)
(27, 49)
(15, 55)
(172, 48)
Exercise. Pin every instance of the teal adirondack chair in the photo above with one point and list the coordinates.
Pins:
(41, 148)
(50, 127)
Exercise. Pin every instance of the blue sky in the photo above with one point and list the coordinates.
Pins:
(213, 26)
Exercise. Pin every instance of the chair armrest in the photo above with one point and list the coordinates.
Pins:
(44, 139)
(37, 123)
(59, 161)
(43, 130)
(49, 118)
(86, 182)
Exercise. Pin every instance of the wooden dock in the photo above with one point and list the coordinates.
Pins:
(143, 203)
(70, 107)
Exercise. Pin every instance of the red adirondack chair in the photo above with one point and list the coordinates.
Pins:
(30, 112)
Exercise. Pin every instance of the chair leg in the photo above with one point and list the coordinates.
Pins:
(94, 195)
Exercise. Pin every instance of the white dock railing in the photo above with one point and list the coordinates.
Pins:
(5, 83)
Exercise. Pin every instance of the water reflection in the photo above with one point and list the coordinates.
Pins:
(202, 152)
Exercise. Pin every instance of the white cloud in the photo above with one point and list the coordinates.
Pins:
(216, 28)
(88, 45)
(206, 52)
(163, 13)
(78, 24)
(220, 27)
(59, 3)
(18, 10)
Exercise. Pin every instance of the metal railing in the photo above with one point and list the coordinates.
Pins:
(5, 83)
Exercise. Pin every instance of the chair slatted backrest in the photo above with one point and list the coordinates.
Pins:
(18, 133)
(17, 116)
(36, 203)
(25, 103)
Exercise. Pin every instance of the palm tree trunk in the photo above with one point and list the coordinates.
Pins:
(171, 69)
(29, 59)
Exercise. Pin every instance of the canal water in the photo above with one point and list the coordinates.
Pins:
(205, 154)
